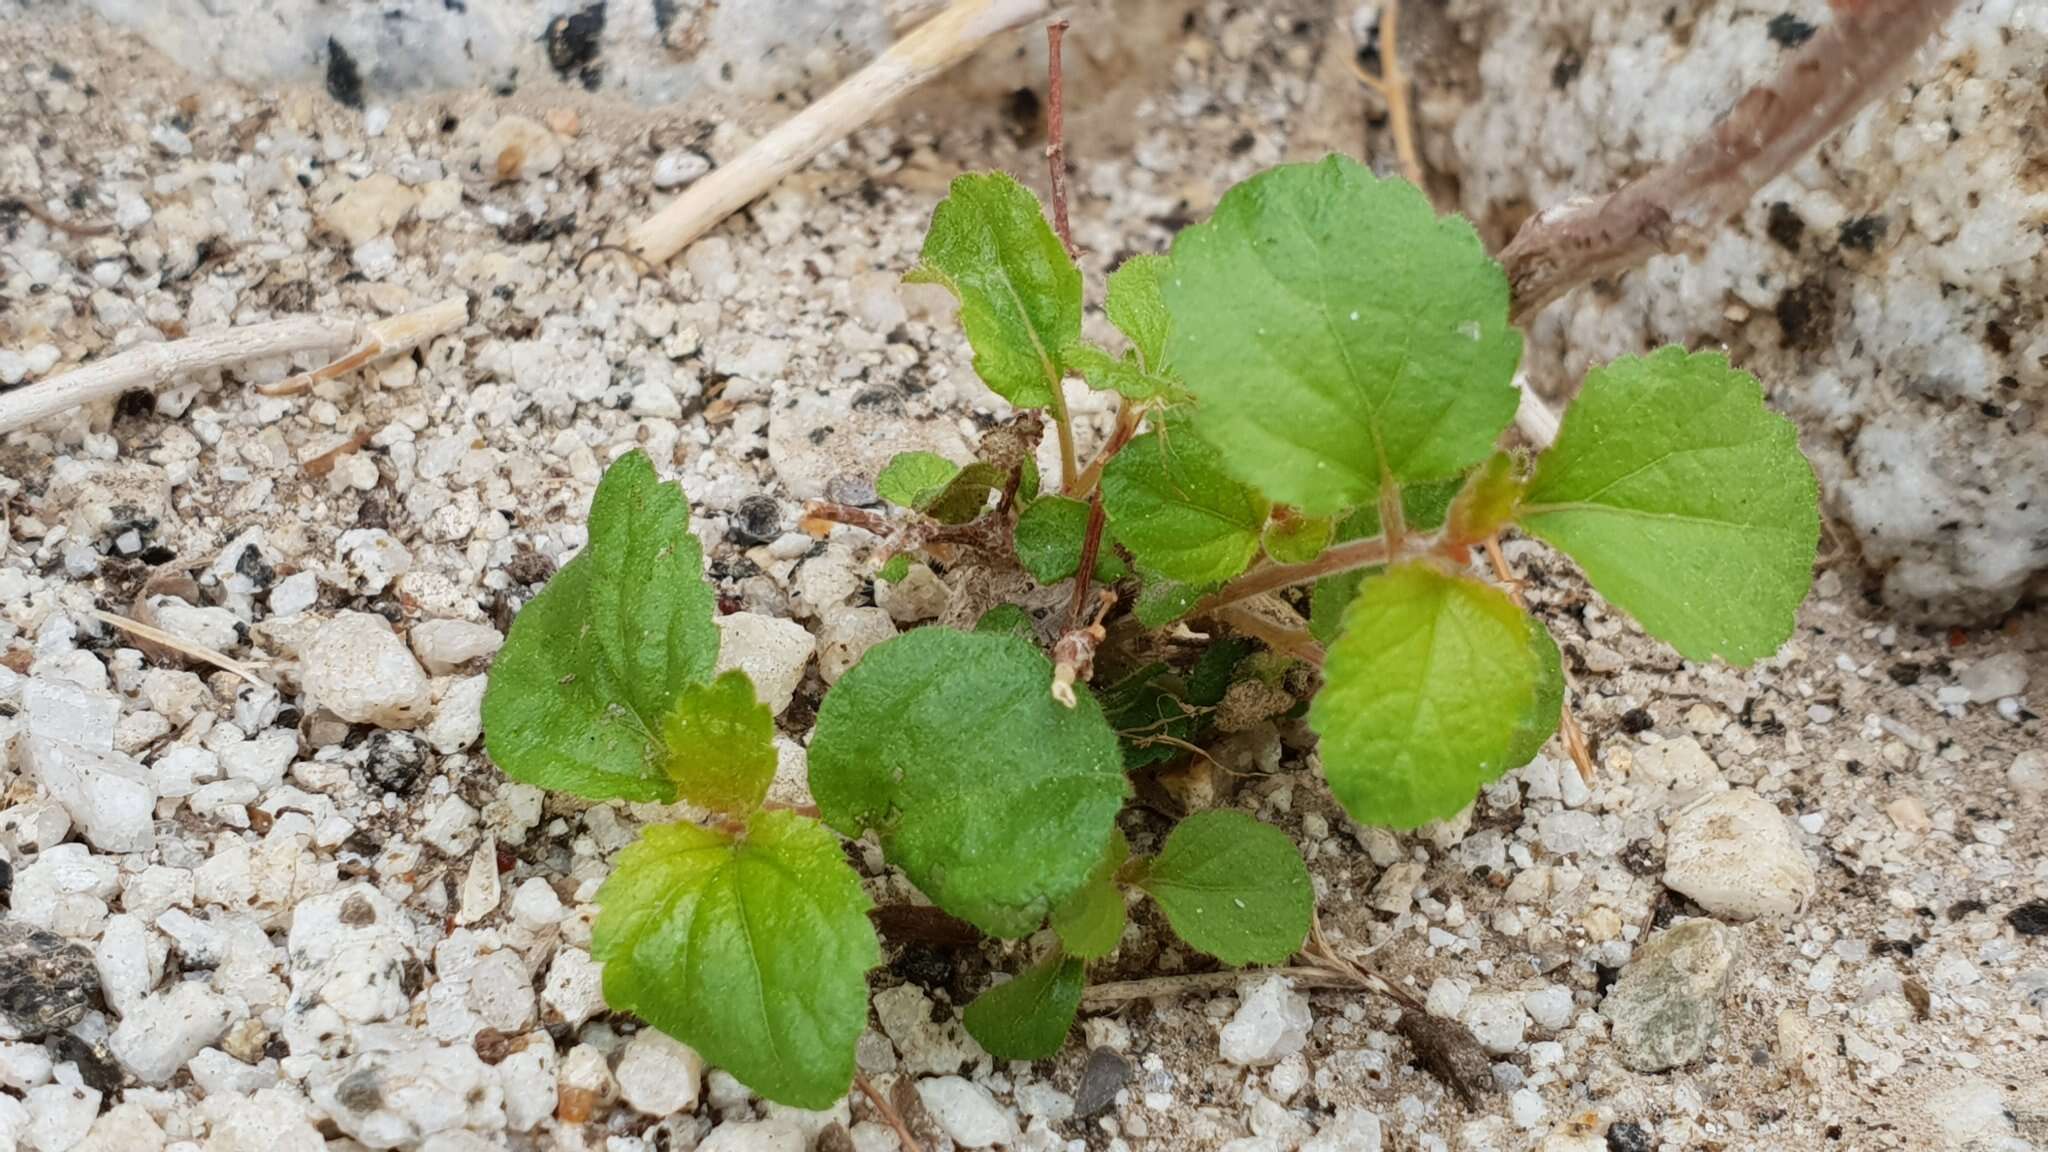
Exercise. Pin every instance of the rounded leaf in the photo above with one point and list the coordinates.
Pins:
(1337, 333)
(753, 951)
(1233, 888)
(993, 798)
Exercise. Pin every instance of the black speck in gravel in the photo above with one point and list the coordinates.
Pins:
(759, 520)
(1861, 234)
(573, 43)
(1789, 31)
(1629, 1136)
(2029, 919)
(344, 82)
(1636, 721)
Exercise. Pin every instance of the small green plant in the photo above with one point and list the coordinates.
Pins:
(1311, 404)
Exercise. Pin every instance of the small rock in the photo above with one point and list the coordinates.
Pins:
(445, 645)
(358, 669)
(1674, 773)
(1102, 1077)
(1271, 1024)
(967, 1112)
(585, 1084)
(481, 891)
(575, 986)
(927, 1046)
(1995, 677)
(501, 991)
(272, 1120)
(1496, 1020)
(658, 1075)
(1395, 891)
(458, 715)
(757, 520)
(1550, 1007)
(846, 634)
(371, 207)
(1351, 1130)
(516, 148)
(393, 761)
(1666, 1007)
(165, 1031)
(107, 794)
(122, 960)
(47, 983)
(772, 652)
(678, 167)
(391, 1099)
(1973, 1114)
(530, 1082)
(2028, 774)
(59, 1115)
(919, 596)
(1737, 856)
(294, 594)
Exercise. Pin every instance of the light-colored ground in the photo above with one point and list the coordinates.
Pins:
(781, 358)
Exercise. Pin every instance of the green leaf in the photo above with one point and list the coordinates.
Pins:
(894, 569)
(753, 951)
(1019, 292)
(720, 745)
(1233, 888)
(1424, 507)
(1028, 1018)
(967, 496)
(1423, 695)
(914, 479)
(1161, 600)
(1295, 539)
(1126, 376)
(1145, 709)
(1178, 512)
(1049, 538)
(1090, 923)
(1336, 332)
(1685, 500)
(994, 799)
(1487, 502)
(594, 663)
(1007, 620)
(1546, 706)
(1136, 308)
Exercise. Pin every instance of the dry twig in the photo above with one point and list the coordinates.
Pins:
(890, 1115)
(163, 639)
(151, 366)
(935, 46)
(1826, 82)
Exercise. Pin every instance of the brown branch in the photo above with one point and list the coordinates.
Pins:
(1055, 133)
(1273, 577)
(1091, 547)
(1844, 67)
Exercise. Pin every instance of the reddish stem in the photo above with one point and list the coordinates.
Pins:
(1055, 133)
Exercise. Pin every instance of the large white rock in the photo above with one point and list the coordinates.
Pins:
(1737, 856)
(60, 710)
(358, 669)
(445, 645)
(347, 950)
(109, 795)
(754, 1136)
(400, 1098)
(773, 652)
(161, 1033)
(1271, 1023)
(967, 1112)
(658, 1075)
(271, 1120)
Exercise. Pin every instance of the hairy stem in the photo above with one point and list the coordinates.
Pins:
(1273, 577)
(1056, 171)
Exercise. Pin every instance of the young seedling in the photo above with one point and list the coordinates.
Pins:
(1317, 382)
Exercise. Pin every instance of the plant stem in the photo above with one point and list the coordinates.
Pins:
(1127, 417)
(1392, 85)
(1295, 642)
(1055, 132)
(1273, 577)
(1056, 170)
(890, 1115)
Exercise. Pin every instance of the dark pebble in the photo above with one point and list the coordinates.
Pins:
(47, 983)
(1102, 1078)
(394, 761)
(758, 520)
(1629, 1136)
(2029, 919)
